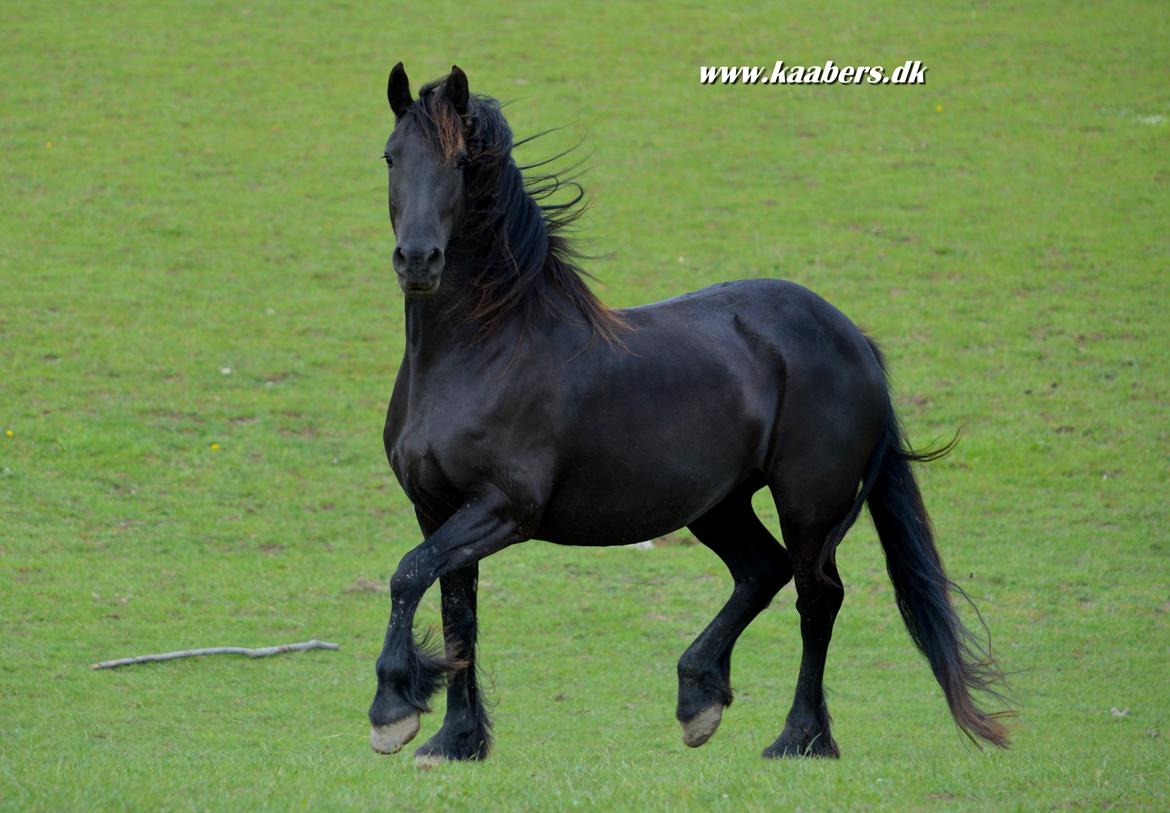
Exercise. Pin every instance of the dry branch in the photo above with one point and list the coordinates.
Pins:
(262, 652)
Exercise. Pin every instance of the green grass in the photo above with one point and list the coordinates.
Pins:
(193, 187)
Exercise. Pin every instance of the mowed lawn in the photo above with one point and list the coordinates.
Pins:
(200, 327)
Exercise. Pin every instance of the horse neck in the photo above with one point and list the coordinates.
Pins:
(442, 327)
(437, 324)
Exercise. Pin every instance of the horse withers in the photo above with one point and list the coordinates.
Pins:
(525, 409)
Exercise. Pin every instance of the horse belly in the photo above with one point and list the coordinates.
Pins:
(621, 499)
(659, 439)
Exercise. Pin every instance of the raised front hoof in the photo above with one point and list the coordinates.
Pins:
(445, 747)
(389, 738)
(702, 726)
(792, 744)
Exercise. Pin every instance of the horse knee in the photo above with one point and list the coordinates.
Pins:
(411, 577)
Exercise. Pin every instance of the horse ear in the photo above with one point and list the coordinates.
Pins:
(398, 91)
(457, 92)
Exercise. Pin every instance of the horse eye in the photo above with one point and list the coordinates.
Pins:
(389, 161)
(461, 160)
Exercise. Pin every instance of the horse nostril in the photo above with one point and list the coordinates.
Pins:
(414, 257)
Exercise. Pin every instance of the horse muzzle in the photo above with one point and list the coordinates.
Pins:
(419, 268)
(425, 284)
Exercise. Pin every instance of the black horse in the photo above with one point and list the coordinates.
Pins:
(525, 409)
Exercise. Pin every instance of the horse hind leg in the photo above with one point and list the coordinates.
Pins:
(819, 597)
(815, 482)
(759, 566)
(807, 726)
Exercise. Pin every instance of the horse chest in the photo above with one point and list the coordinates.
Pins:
(420, 472)
(435, 456)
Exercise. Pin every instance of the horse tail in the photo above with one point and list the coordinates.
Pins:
(960, 662)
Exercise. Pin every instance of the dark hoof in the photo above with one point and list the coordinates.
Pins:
(803, 744)
(444, 747)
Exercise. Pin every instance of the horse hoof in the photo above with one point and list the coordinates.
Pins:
(389, 738)
(797, 745)
(424, 762)
(699, 728)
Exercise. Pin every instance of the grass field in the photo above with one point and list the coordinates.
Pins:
(199, 329)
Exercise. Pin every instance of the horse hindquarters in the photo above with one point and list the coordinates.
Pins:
(827, 442)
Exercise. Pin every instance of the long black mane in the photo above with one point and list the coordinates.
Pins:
(523, 262)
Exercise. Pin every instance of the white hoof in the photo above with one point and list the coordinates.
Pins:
(699, 728)
(427, 761)
(389, 738)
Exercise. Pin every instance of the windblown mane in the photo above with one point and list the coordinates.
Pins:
(522, 258)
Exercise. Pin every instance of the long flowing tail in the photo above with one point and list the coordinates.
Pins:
(960, 662)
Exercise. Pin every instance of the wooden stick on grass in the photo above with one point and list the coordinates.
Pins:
(262, 652)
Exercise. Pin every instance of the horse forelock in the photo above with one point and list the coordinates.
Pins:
(439, 121)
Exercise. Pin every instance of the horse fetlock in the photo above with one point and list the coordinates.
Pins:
(390, 707)
(699, 688)
(699, 674)
(391, 673)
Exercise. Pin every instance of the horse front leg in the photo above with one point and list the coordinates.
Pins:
(408, 675)
(466, 730)
(760, 567)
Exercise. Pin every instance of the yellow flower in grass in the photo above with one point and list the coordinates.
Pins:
(8, 433)
(215, 447)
